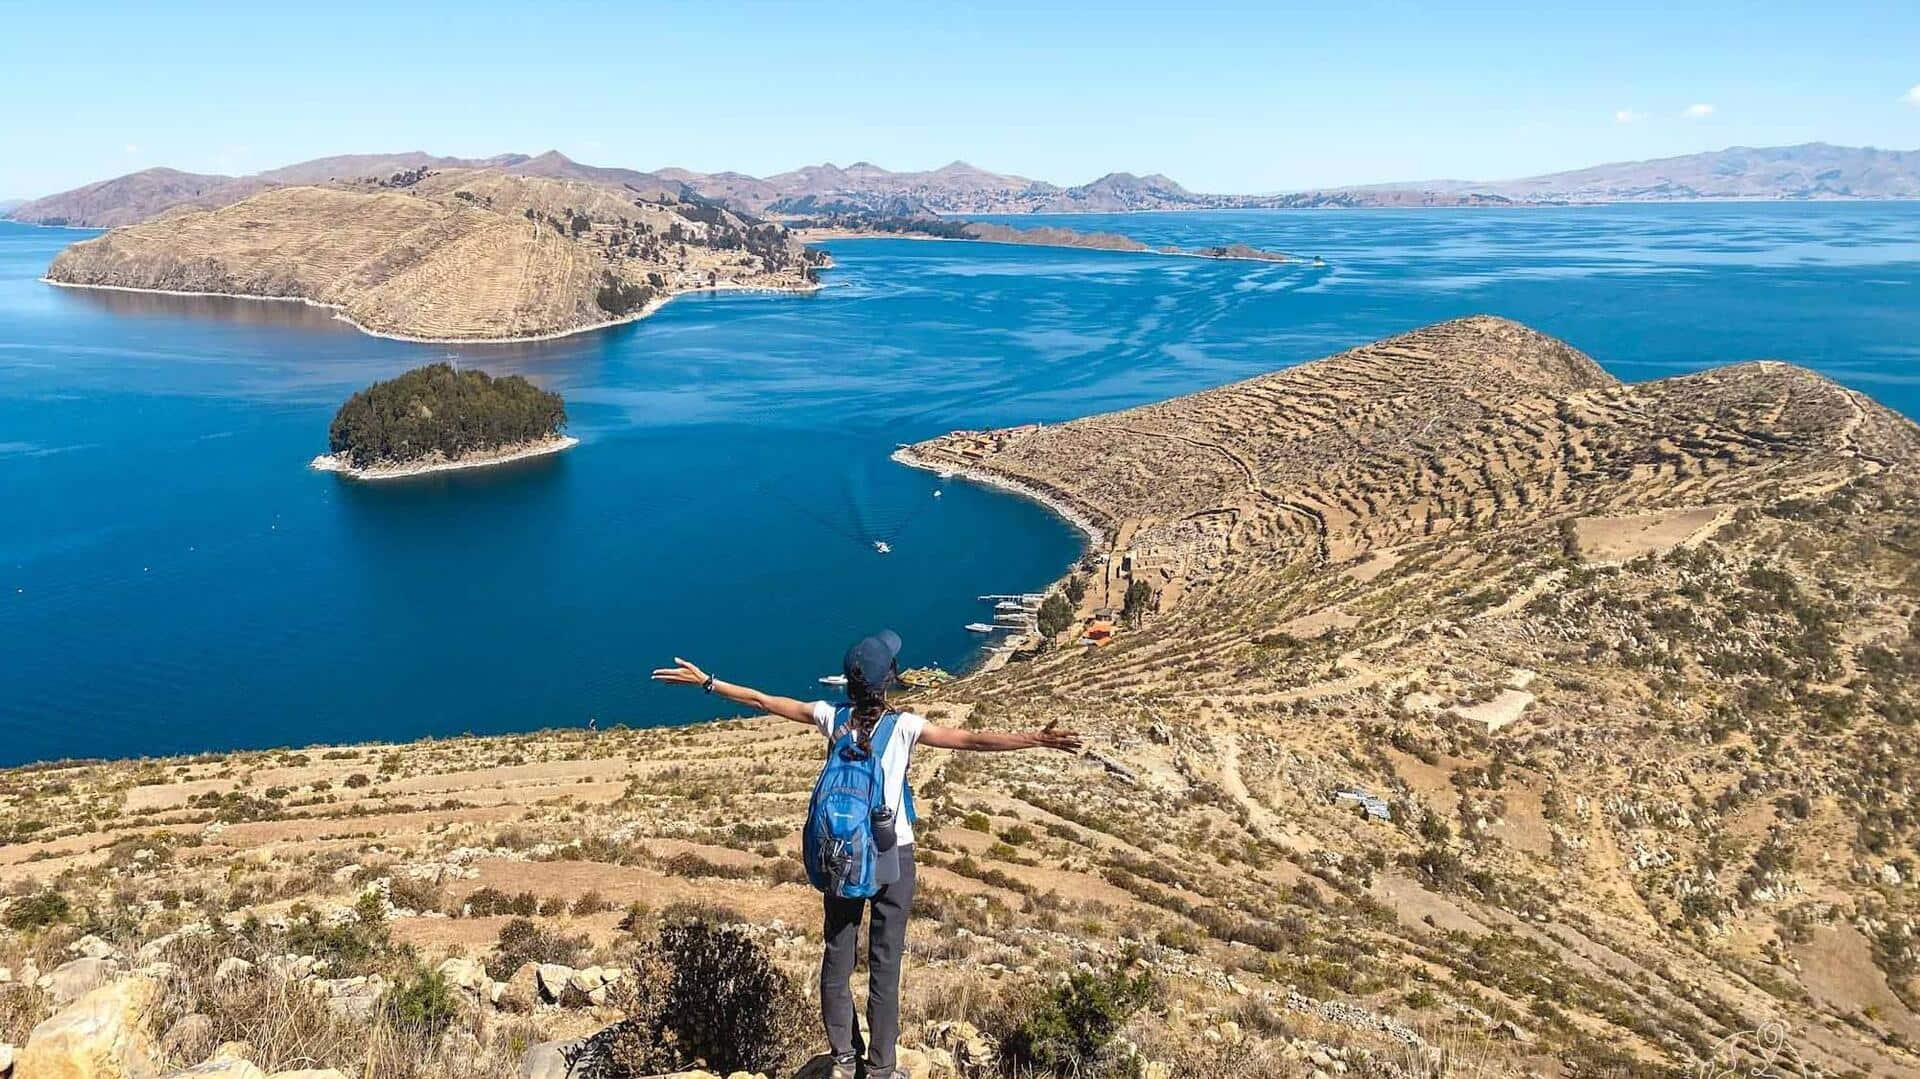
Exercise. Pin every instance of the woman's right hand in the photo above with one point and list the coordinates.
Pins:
(681, 673)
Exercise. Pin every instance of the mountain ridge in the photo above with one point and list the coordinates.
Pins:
(1802, 172)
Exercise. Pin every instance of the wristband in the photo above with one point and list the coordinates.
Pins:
(707, 686)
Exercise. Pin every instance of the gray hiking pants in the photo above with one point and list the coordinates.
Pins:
(886, 945)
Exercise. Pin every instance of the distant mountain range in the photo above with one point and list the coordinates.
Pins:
(1814, 170)
(1810, 171)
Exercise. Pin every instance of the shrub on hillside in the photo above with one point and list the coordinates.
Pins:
(522, 942)
(421, 1007)
(38, 911)
(1066, 1029)
(702, 992)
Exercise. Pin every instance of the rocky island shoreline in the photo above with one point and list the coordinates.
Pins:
(518, 451)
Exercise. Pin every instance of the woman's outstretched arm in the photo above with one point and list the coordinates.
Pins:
(1049, 737)
(683, 673)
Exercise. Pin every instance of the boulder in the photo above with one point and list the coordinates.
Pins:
(189, 1038)
(241, 1050)
(912, 1063)
(232, 968)
(220, 1068)
(547, 1060)
(92, 947)
(155, 948)
(353, 998)
(587, 979)
(553, 979)
(467, 974)
(521, 993)
(971, 1050)
(69, 982)
(103, 1035)
(292, 967)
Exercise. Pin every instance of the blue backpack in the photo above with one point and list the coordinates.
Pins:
(841, 855)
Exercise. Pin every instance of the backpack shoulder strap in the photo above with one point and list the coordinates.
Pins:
(842, 724)
(883, 733)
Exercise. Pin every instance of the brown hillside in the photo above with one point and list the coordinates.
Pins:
(461, 254)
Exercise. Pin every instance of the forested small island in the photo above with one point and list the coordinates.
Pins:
(438, 417)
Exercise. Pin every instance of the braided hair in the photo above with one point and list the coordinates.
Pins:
(869, 704)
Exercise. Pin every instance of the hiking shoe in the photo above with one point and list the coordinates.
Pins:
(845, 1069)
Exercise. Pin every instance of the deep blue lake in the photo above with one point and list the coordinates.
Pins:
(173, 577)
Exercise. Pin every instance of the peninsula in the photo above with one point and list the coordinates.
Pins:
(436, 418)
(458, 254)
(855, 225)
(1480, 714)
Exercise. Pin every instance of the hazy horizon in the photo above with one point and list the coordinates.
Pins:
(1225, 98)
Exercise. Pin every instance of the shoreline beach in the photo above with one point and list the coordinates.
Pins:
(339, 313)
(1061, 507)
(327, 462)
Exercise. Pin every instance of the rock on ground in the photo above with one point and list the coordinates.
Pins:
(189, 1038)
(220, 1068)
(522, 990)
(103, 1035)
(69, 982)
(545, 1061)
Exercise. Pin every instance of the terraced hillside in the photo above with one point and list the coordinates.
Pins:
(1634, 666)
(1625, 673)
(450, 255)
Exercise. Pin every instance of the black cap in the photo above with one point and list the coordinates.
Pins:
(871, 660)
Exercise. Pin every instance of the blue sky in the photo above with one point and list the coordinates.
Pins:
(1222, 97)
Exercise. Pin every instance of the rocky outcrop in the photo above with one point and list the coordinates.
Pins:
(103, 1035)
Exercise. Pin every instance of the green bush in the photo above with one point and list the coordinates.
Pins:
(38, 911)
(422, 1006)
(523, 942)
(1066, 1029)
(1139, 597)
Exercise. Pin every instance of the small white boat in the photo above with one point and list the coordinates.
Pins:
(1011, 605)
(883, 546)
(937, 494)
(984, 627)
(834, 680)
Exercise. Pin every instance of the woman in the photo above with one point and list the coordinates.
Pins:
(871, 667)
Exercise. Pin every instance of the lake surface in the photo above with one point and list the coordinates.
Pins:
(173, 578)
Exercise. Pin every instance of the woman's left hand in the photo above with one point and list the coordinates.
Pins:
(681, 673)
(1052, 737)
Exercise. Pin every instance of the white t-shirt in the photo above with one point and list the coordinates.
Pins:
(893, 763)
